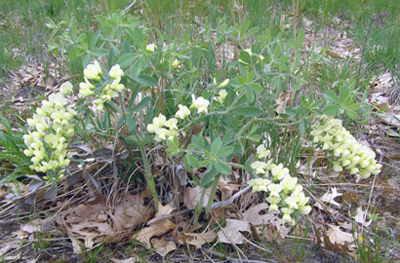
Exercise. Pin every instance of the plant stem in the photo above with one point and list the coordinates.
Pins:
(149, 176)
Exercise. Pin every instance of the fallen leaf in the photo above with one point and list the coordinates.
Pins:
(334, 239)
(159, 228)
(198, 240)
(93, 222)
(128, 260)
(361, 216)
(230, 234)
(272, 225)
(165, 210)
(284, 100)
(163, 246)
(191, 196)
(329, 197)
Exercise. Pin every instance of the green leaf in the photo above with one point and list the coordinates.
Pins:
(352, 114)
(300, 38)
(354, 106)
(127, 59)
(331, 96)
(344, 93)
(132, 140)
(256, 87)
(331, 109)
(193, 162)
(143, 103)
(94, 39)
(277, 52)
(137, 67)
(207, 153)
(138, 37)
(222, 168)
(216, 145)
(226, 151)
(208, 177)
(251, 32)
(292, 43)
(302, 126)
(249, 95)
(244, 27)
(100, 52)
(248, 111)
(245, 57)
(174, 144)
(146, 80)
(130, 122)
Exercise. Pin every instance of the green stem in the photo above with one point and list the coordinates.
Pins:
(199, 207)
(148, 174)
(212, 194)
(147, 168)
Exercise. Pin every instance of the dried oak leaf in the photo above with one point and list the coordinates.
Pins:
(95, 221)
(361, 216)
(199, 239)
(334, 239)
(163, 246)
(191, 196)
(159, 228)
(272, 225)
(230, 234)
(165, 210)
(329, 197)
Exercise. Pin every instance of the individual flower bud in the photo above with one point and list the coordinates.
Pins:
(288, 183)
(28, 152)
(151, 128)
(93, 71)
(222, 96)
(259, 167)
(262, 152)
(31, 122)
(279, 172)
(273, 201)
(161, 134)
(116, 72)
(116, 86)
(286, 216)
(159, 121)
(66, 88)
(172, 124)
(224, 83)
(291, 201)
(183, 112)
(151, 47)
(85, 90)
(175, 63)
(274, 190)
(337, 167)
(200, 104)
(305, 209)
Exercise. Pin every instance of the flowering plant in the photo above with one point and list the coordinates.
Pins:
(285, 194)
(347, 152)
(51, 128)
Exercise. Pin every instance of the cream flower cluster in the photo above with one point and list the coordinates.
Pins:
(168, 129)
(201, 104)
(109, 92)
(348, 153)
(284, 191)
(51, 128)
(163, 128)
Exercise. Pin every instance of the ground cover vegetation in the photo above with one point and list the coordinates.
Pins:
(199, 131)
